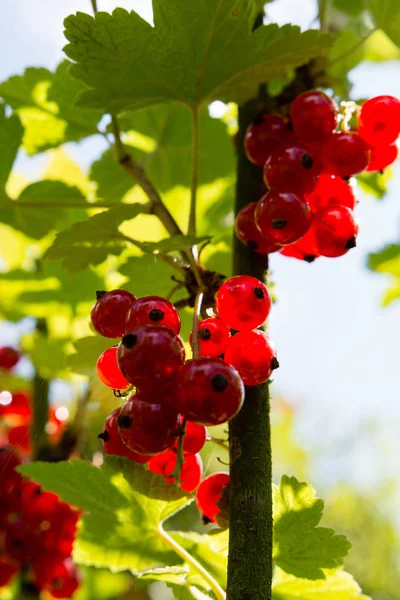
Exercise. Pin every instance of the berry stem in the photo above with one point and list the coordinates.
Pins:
(179, 454)
(195, 174)
(196, 318)
(94, 5)
(40, 402)
(218, 442)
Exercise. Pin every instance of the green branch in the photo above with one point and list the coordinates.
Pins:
(192, 227)
(40, 401)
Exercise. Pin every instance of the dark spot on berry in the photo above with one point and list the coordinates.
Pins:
(205, 334)
(16, 543)
(156, 314)
(259, 120)
(289, 125)
(3, 450)
(206, 520)
(219, 382)
(124, 421)
(279, 223)
(38, 491)
(100, 294)
(57, 583)
(129, 340)
(259, 293)
(252, 245)
(307, 162)
(382, 172)
(309, 258)
(105, 436)
(351, 243)
(346, 179)
(274, 363)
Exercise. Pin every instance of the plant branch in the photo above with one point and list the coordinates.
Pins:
(196, 318)
(322, 14)
(94, 5)
(40, 401)
(218, 442)
(350, 51)
(192, 227)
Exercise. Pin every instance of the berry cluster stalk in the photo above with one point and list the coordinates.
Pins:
(40, 401)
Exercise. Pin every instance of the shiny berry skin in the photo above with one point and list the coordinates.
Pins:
(59, 577)
(150, 354)
(382, 157)
(346, 154)
(19, 437)
(20, 543)
(292, 169)
(304, 249)
(191, 471)
(112, 442)
(9, 357)
(36, 504)
(194, 439)
(379, 120)
(243, 302)
(314, 117)
(148, 427)
(213, 336)
(153, 310)
(20, 406)
(210, 493)
(332, 191)
(8, 461)
(253, 355)
(8, 570)
(109, 371)
(108, 315)
(283, 217)
(264, 136)
(335, 231)
(210, 392)
(249, 234)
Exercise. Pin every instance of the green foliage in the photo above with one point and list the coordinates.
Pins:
(10, 138)
(87, 351)
(337, 585)
(47, 355)
(386, 14)
(375, 184)
(387, 261)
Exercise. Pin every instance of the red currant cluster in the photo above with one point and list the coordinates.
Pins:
(9, 358)
(308, 166)
(37, 532)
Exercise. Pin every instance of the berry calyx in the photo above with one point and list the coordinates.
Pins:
(112, 442)
(283, 217)
(379, 120)
(109, 371)
(249, 234)
(9, 357)
(382, 157)
(346, 154)
(190, 474)
(153, 310)
(292, 169)
(332, 191)
(109, 313)
(314, 117)
(264, 136)
(253, 355)
(209, 495)
(335, 231)
(303, 249)
(243, 302)
(213, 336)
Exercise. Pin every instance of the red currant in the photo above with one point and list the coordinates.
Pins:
(253, 355)
(382, 157)
(263, 136)
(213, 336)
(191, 471)
(249, 234)
(19, 437)
(283, 217)
(243, 302)
(148, 427)
(112, 442)
(59, 577)
(379, 120)
(36, 504)
(8, 570)
(335, 230)
(8, 461)
(332, 191)
(314, 117)
(194, 439)
(346, 154)
(109, 371)
(210, 391)
(20, 405)
(210, 493)
(108, 315)
(292, 169)
(153, 310)
(149, 354)
(20, 542)
(9, 357)
(304, 249)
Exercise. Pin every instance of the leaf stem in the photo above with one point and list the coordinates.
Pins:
(350, 51)
(195, 174)
(94, 5)
(322, 14)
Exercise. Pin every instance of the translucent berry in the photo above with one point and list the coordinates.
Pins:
(109, 371)
(149, 354)
(20, 405)
(213, 337)
(9, 357)
(210, 493)
(112, 442)
(253, 355)
(153, 310)
(304, 249)
(382, 157)
(37, 505)
(8, 461)
(59, 577)
(292, 169)
(314, 117)
(379, 120)
(108, 315)
(210, 392)
(243, 302)
(249, 234)
(263, 136)
(335, 230)
(283, 217)
(8, 570)
(191, 471)
(346, 154)
(148, 427)
(332, 191)
(194, 439)
(20, 542)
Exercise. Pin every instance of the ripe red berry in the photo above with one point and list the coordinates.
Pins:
(346, 154)
(59, 577)
(194, 439)
(314, 117)
(19, 437)
(9, 357)
(36, 504)
(109, 371)
(253, 355)
(191, 471)
(150, 354)
(108, 315)
(264, 136)
(379, 120)
(335, 230)
(20, 543)
(210, 493)
(8, 570)
(112, 442)
(153, 310)
(304, 249)
(292, 169)
(8, 461)
(249, 234)
(283, 217)
(382, 157)
(213, 337)
(332, 191)
(243, 302)
(210, 392)
(148, 427)
(20, 406)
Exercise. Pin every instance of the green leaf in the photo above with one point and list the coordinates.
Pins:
(387, 261)
(172, 244)
(300, 547)
(148, 275)
(353, 8)
(337, 585)
(47, 355)
(201, 548)
(125, 506)
(88, 350)
(10, 139)
(345, 42)
(196, 52)
(379, 48)
(375, 184)
(386, 15)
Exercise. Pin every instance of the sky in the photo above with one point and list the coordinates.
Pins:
(338, 348)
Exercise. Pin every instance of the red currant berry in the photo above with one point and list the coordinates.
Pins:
(264, 136)
(112, 442)
(249, 234)
(20, 542)
(19, 437)
(304, 249)
(283, 217)
(292, 169)
(379, 120)
(332, 191)
(243, 302)
(382, 157)
(191, 471)
(8, 461)
(149, 354)
(210, 392)
(9, 357)
(147, 427)
(210, 493)
(8, 570)
(20, 406)
(36, 504)
(108, 315)
(335, 230)
(109, 371)
(314, 117)
(153, 310)
(194, 439)
(346, 154)
(213, 337)
(252, 353)
(59, 577)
